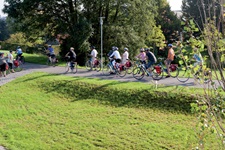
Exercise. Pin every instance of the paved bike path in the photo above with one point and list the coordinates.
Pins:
(29, 68)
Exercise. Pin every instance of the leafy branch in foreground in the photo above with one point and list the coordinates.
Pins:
(211, 106)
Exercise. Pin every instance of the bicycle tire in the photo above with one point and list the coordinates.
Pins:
(18, 69)
(48, 62)
(184, 74)
(53, 62)
(138, 73)
(174, 72)
(106, 70)
(22, 59)
(98, 67)
(88, 65)
(157, 74)
(204, 76)
(67, 67)
(75, 67)
(122, 72)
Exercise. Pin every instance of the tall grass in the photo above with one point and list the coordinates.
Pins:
(44, 111)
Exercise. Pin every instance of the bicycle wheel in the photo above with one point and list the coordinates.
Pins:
(48, 62)
(106, 70)
(18, 68)
(204, 76)
(138, 73)
(88, 65)
(98, 67)
(67, 67)
(157, 73)
(75, 67)
(184, 74)
(122, 71)
(53, 62)
(174, 71)
(22, 59)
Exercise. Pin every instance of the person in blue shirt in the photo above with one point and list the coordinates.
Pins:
(197, 57)
(50, 52)
(19, 52)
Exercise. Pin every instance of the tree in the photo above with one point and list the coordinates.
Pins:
(201, 10)
(210, 105)
(127, 22)
(169, 22)
(4, 33)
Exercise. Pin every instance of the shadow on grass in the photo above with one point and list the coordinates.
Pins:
(120, 97)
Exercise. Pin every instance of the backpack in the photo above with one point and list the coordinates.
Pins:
(155, 60)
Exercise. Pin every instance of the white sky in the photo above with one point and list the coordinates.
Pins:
(174, 4)
(1, 7)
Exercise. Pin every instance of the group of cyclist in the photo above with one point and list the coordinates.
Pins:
(146, 57)
(6, 62)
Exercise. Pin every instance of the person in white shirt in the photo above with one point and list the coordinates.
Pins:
(116, 56)
(93, 54)
(125, 56)
(10, 61)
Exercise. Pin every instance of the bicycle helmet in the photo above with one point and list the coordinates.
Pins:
(170, 45)
(125, 49)
(147, 49)
(142, 50)
(93, 47)
(115, 48)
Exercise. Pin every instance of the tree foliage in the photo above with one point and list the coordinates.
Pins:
(210, 106)
(168, 20)
(202, 10)
(4, 32)
(127, 23)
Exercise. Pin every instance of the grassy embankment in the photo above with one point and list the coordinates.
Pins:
(44, 111)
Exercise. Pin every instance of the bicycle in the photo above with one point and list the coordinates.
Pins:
(140, 71)
(199, 73)
(17, 65)
(159, 69)
(51, 60)
(118, 69)
(71, 65)
(21, 59)
(96, 65)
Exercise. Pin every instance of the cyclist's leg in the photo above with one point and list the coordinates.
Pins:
(167, 63)
(148, 67)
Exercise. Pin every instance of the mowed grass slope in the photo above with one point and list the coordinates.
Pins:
(44, 111)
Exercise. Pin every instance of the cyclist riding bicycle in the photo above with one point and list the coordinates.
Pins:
(170, 58)
(19, 52)
(93, 54)
(197, 57)
(150, 57)
(125, 56)
(71, 55)
(2, 65)
(116, 56)
(50, 52)
(142, 56)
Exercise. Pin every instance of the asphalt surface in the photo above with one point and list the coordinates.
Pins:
(29, 68)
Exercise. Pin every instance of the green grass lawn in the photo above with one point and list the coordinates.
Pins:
(44, 111)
